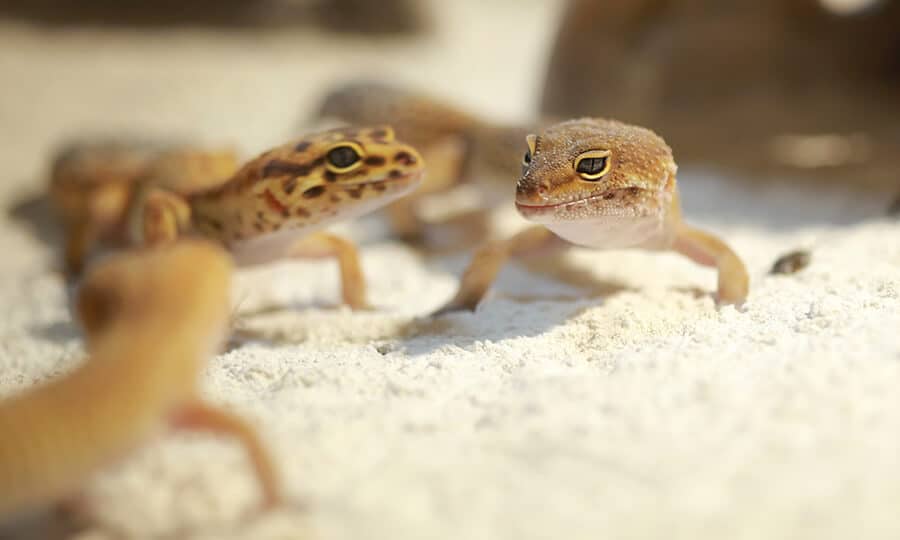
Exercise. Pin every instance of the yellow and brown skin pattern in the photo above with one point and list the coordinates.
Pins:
(606, 185)
(92, 184)
(151, 321)
(456, 144)
(276, 205)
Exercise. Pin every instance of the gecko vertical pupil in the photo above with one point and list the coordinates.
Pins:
(342, 156)
(527, 158)
(592, 165)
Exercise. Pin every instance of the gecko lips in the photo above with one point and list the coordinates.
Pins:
(396, 183)
(621, 202)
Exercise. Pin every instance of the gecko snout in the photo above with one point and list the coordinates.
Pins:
(532, 192)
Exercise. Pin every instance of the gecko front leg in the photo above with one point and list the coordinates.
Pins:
(197, 415)
(489, 259)
(708, 250)
(163, 216)
(353, 282)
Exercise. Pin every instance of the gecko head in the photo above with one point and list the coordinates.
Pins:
(339, 173)
(590, 168)
(159, 288)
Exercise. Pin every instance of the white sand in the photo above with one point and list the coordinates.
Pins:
(572, 411)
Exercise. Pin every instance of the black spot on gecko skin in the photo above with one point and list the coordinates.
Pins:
(609, 196)
(335, 198)
(290, 185)
(329, 176)
(302, 146)
(313, 192)
(375, 161)
(378, 134)
(359, 173)
(379, 186)
(405, 158)
(395, 174)
(302, 212)
(280, 167)
(355, 192)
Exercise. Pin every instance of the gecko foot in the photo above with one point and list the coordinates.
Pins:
(451, 308)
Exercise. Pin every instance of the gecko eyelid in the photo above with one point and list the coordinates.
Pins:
(529, 153)
(532, 143)
(593, 165)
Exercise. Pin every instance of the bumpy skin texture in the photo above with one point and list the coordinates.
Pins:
(457, 145)
(640, 182)
(151, 321)
(630, 200)
(92, 184)
(276, 204)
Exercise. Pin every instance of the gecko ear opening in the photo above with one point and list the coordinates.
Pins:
(593, 165)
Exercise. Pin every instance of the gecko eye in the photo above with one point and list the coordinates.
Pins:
(343, 157)
(529, 153)
(593, 165)
(526, 161)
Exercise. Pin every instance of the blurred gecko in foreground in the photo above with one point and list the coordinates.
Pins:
(151, 320)
(601, 184)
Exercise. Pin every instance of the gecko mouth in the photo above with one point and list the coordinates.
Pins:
(573, 209)
(394, 185)
(630, 201)
(402, 178)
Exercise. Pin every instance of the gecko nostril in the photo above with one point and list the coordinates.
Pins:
(532, 191)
